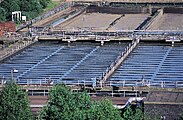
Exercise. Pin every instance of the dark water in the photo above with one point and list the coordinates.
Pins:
(60, 62)
(81, 62)
(152, 62)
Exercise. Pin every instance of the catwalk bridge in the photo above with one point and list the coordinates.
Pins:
(151, 35)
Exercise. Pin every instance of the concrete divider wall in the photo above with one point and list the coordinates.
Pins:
(118, 10)
(155, 19)
(150, 21)
(178, 10)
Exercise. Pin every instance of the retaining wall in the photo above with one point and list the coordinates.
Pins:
(118, 10)
(173, 10)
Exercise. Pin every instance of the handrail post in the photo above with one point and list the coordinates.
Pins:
(123, 83)
(40, 82)
(162, 86)
(175, 84)
(112, 94)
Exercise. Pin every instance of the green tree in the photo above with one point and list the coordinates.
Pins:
(130, 114)
(14, 6)
(44, 3)
(64, 104)
(2, 14)
(103, 110)
(67, 105)
(138, 115)
(14, 104)
(35, 6)
(30, 8)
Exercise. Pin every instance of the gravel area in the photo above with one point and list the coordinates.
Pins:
(90, 21)
(130, 21)
(101, 21)
(169, 22)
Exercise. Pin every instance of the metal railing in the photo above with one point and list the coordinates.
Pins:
(117, 83)
(114, 65)
(50, 82)
(121, 83)
(13, 50)
(137, 83)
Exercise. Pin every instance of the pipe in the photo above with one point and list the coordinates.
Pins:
(130, 100)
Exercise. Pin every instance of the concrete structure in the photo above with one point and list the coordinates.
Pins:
(16, 16)
(156, 18)
(131, 1)
(120, 59)
(164, 104)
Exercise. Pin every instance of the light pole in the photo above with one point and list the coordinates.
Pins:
(11, 74)
(2, 81)
(13, 71)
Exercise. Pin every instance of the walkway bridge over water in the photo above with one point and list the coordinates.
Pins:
(124, 35)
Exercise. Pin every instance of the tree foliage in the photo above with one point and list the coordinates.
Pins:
(14, 104)
(44, 3)
(66, 105)
(2, 14)
(33, 7)
(103, 110)
(130, 114)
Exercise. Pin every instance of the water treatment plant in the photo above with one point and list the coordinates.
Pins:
(120, 48)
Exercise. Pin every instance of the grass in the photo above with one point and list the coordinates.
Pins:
(52, 5)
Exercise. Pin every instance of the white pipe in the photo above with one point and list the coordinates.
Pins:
(130, 100)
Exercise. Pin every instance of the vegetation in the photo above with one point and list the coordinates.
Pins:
(14, 104)
(51, 5)
(63, 104)
(66, 105)
(129, 114)
(30, 8)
